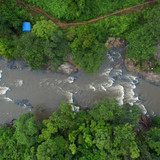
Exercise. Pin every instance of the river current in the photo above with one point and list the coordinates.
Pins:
(23, 90)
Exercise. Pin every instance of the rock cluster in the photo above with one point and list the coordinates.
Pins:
(69, 66)
(16, 64)
(148, 75)
(115, 42)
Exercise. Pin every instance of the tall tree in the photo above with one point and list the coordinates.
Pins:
(27, 130)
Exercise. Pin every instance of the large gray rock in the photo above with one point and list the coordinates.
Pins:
(67, 68)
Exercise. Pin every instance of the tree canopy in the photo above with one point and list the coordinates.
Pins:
(105, 131)
(87, 51)
(79, 10)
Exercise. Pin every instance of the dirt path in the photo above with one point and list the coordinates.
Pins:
(66, 25)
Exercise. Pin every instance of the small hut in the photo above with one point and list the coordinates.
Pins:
(26, 26)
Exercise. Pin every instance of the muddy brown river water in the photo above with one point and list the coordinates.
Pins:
(22, 90)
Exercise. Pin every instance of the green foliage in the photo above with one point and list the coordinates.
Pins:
(130, 114)
(37, 50)
(52, 148)
(140, 29)
(6, 49)
(31, 49)
(124, 142)
(103, 132)
(94, 133)
(73, 148)
(56, 48)
(6, 134)
(62, 121)
(115, 113)
(87, 51)
(81, 9)
(10, 149)
(152, 140)
(142, 46)
(12, 17)
(27, 129)
(143, 40)
(115, 26)
(156, 121)
(101, 112)
(44, 28)
(48, 42)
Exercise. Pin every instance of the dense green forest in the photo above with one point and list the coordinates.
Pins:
(47, 42)
(105, 131)
(79, 10)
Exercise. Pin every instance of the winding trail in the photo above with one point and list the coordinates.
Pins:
(65, 25)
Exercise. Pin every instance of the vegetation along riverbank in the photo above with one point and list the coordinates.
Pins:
(49, 43)
(103, 131)
(79, 30)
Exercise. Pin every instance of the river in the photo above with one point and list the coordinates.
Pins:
(23, 90)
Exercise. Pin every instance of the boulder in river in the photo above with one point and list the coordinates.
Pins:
(23, 103)
(67, 68)
(16, 64)
(115, 42)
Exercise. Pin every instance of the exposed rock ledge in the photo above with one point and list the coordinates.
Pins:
(148, 75)
(115, 42)
(69, 66)
(66, 68)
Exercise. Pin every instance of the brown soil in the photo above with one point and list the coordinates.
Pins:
(65, 25)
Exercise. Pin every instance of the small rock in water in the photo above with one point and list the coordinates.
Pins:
(14, 64)
(75, 109)
(3, 90)
(18, 83)
(23, 103)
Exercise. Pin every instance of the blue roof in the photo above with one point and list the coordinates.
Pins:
(26, 26)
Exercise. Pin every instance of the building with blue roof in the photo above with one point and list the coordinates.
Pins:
(26, 26)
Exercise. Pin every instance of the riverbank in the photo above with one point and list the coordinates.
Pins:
(123, 127)
(150, 76)
(44, 90)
